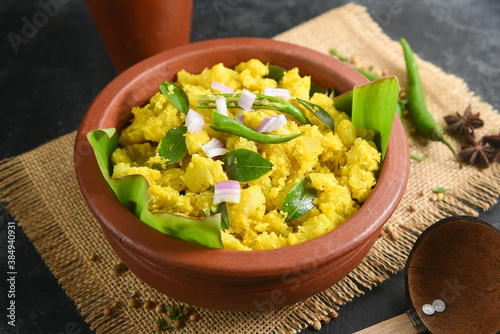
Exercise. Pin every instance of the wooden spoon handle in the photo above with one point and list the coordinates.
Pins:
(401, 324)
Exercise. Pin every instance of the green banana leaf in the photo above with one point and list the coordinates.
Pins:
(372, 106)
(132, 192)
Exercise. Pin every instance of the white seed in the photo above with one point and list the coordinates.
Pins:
(439, 305)
(428, 309)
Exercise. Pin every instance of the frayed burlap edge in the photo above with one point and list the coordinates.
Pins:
(41, 183)
(34, 212)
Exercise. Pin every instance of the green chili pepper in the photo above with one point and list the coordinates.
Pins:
(261, 102)
(226, 124)
(424, 121)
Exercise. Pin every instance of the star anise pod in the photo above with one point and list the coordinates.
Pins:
(477, 154)
(464, 125)
(495, 142)
(492, 140)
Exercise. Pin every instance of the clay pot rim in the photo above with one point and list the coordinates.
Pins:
(167, 251)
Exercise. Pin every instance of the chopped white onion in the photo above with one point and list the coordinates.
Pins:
(241, 119)
(194, 121)
(239, 113)
(227, 191)
(214, 142)
(281, 93)
(272, 123)
(247, 99)
(221, 87)
(220, 103)
(216, 152)
(214, 148)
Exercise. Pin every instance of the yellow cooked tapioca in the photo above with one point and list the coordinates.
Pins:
(341, 165)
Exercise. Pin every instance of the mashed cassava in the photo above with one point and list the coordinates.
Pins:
(341, 165)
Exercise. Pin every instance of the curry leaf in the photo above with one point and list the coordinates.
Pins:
(275, 72)
(225, 222)
(132, 192)
(173, 145)
(321, 113)
(245, 165)
(176, 95)
(299, 200)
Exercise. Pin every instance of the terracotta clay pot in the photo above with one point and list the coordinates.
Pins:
(228, 279)
(133, 30)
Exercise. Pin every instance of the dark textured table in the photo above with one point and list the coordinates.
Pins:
(50, 75)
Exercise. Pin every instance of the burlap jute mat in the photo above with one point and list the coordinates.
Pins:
(42, 183)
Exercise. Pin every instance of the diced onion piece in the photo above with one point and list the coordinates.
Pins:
(227, 191)
(272, 123)
(247, 99)
(194, 121)
(214, 142)
(221, 87)
(241, 119)
(281, 93)
(214, 148)
(220, 103)
(215, 152)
